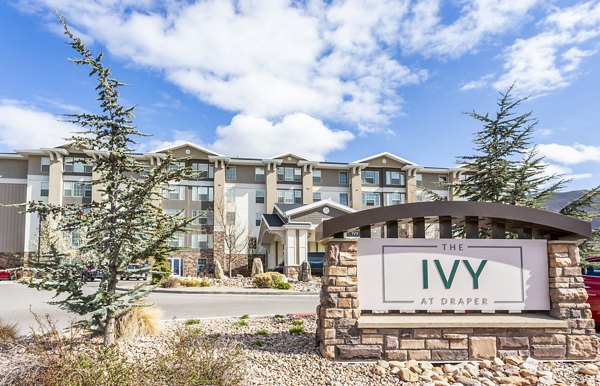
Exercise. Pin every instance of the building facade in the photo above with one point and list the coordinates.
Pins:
(268, 207)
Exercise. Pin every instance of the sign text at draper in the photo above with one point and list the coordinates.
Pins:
(452, 274)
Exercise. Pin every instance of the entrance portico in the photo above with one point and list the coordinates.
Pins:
(288, 234)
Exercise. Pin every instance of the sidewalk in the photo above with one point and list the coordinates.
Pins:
(227, 291)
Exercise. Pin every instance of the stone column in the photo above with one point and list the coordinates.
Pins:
(338, 311)
(568, 300)
(270, 186)
(307, 184)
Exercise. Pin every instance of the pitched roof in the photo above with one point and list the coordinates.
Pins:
(273, 220)
(183, 144)
(389, 155)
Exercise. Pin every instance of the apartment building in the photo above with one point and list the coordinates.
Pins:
(247, 206)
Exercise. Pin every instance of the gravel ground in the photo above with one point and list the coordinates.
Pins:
(246, 282)
(282, 358)
(275, 356)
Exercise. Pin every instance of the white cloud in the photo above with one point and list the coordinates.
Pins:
(478, 20)
(297, 133)
(565, 172)
(23, 126)
(260, 57)
(551, 59)
(570, 155)
(482, 82)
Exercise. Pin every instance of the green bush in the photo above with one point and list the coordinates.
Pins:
(258, 343)
(245, 316)
(160, 271)
(241, 323)
(189, 282)
(268, 280)
(298, 322)
(192, 321)
(262, 332)
(283, 286)
(297, 330)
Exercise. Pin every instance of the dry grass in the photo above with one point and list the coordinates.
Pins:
(139, 321)
(8, 332)
(170, 282)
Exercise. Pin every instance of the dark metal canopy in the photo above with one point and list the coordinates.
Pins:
(502, 217)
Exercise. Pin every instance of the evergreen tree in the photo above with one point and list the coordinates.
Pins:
(507, 168)
(586, 208)
(126, 224)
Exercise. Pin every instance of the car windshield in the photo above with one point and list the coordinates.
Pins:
(133, 266)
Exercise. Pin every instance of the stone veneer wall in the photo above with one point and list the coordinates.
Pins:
(340, 338)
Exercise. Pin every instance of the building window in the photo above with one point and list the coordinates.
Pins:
(316, 176)
(371, 199)
(203, 217)
(44, 189)
(45, 164)
(230, 173)
(77, 165)
(260, 196)
(419, 179)
(370, 177)
(202, 193)
(394, 198)
(174, 193)
(72, 239)
(257, 219)
(343, 179)
(175, 212)
(202, 241)
(289, 174)
(230, 218)
(344, 199)
(203, 171)
(316, 196)
(177, 165)
(443, 179)
(394, 178)
(177, 241)
(289, 196)
(230, 196)
(259, 174)
(77, 189)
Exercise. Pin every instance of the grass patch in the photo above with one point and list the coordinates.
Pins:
(139, 321)
(8, 332)
(283, 285)
(244, 317)
(190, 322)
(297, 330)
(278, 316)
(240, 323)
(258, 343)
(298, 322)
(262, 332)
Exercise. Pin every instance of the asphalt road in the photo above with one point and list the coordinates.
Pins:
(17, 302)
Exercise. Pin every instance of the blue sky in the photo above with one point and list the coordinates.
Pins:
(336, 80)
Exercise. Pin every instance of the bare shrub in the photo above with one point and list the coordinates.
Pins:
(196, 359)
(170, 282)
(8, 332)
(139, 321)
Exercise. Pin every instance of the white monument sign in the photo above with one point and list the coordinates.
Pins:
(453, 274)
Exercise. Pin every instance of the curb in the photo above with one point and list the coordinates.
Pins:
(280, 293)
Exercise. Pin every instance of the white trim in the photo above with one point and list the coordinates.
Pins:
(69, 178)
(389, 155)
(314, 205)
(242, 185)
(282, 156)
(193, 183)
(13, 180)
(11, 156)
(190, 144)
(37, 177)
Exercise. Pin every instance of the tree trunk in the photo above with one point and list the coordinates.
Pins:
(230, 257)
(109, 329)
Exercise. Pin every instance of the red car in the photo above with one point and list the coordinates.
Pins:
(591, 278)
(7, 275)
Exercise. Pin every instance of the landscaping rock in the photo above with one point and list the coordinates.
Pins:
(257, 267)
(408, 376)
(589, 369)
(219, 274)
(304, 274)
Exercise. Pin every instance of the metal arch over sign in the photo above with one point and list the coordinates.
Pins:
(453, 274)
